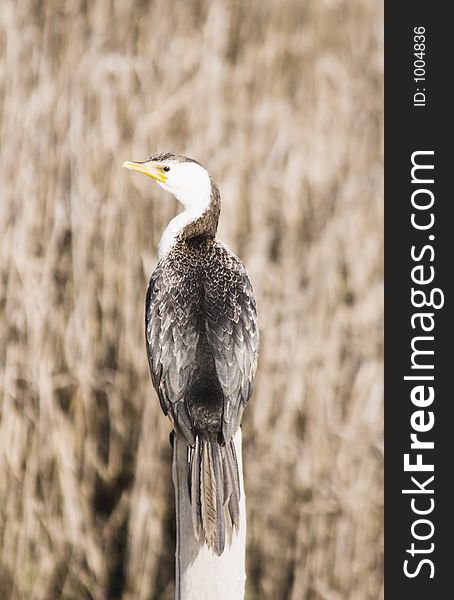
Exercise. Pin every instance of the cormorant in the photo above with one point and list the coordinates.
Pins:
(202, 341)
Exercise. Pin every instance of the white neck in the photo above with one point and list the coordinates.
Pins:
(177, 224)
(190, 184)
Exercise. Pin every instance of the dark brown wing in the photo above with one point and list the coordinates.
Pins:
(172, 333)
(231, 327)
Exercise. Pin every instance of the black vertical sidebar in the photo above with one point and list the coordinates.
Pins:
(419, 526)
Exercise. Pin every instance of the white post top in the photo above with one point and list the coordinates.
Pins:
(199, 573)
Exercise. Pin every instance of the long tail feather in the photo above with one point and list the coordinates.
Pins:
(214, 491)
(234, 478)
(219, 539)
(208, 494)
(195, 488)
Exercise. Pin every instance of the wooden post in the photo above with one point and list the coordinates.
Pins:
(199, 573)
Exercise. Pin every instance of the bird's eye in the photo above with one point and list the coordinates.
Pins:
(166, 168)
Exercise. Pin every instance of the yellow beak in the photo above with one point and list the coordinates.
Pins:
(152, 170)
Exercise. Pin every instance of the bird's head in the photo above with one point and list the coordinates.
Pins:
(183, 177)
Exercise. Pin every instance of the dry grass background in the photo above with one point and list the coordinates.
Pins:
(283, 103)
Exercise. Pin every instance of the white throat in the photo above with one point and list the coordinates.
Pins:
(178, 223)
(190, 184)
